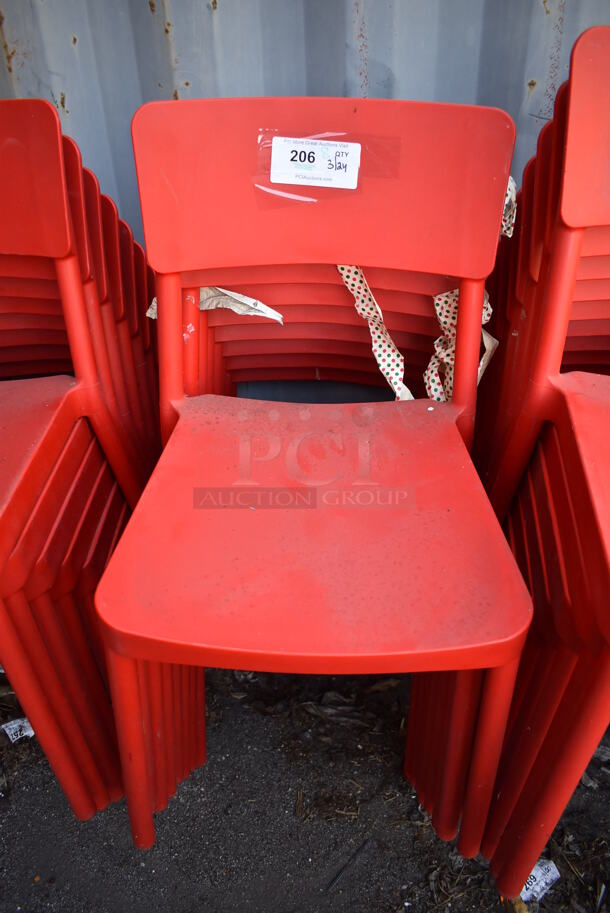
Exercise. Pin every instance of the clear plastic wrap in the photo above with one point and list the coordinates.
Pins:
(306, 169)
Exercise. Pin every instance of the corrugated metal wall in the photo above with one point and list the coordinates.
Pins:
(98, 60)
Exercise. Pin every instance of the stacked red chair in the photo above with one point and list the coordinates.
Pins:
(73, 463)
(427, 584)
(322, 336)
(559, 530)
(545, 462)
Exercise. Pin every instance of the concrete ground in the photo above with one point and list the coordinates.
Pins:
(300, 808)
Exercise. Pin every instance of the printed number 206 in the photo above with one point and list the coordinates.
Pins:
(302, 156)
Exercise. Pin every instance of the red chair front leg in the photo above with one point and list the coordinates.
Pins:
(498, 687)
(127, 704)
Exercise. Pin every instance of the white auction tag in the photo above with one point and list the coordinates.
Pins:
(314, 162)
(18, 729)
(543, 876)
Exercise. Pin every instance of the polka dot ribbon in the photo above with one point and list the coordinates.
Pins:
(510, 209)
(438, 376)
(390, 361)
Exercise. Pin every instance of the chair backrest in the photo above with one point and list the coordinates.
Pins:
(586, 180)
(430, 187)
(35, 229)
(429, 198)
(572, 202)
(35, 212)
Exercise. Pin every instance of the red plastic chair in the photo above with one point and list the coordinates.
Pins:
(559, 529)
(66, 460)
(37, 581)
(558, 524)
(563, 262)
(48, 473)
(33, 309)
(33, 181)
(334, 589)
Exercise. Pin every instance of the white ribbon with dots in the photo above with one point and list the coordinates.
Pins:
(440, 388)
(510, 209)
(438, 376)
(390, 361)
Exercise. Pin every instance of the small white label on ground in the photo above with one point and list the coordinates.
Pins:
(544, 875)
(18, 729)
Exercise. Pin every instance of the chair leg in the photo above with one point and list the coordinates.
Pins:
(169, 736)
(51, 682)
(188, 727)
(200, 722)
(190, 332)
(32, 698)
(192, 718)
(411, 741)
(75, 627)
(158, 733)
(424, 741)
(573, 739)
(219, 373)
(520, 752)
(147, 729)
(123, 676)
(209, 363)
(87, 699)
(527, 673)
(427, 788)
(442, 683)
(498, 687)
(179, 728)
(462, 720)
(196, 704)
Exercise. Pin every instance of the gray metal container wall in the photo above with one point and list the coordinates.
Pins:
(98, 60)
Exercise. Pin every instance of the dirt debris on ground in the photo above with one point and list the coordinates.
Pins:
(300, 808)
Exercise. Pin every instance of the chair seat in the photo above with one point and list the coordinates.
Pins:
(316, 539)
